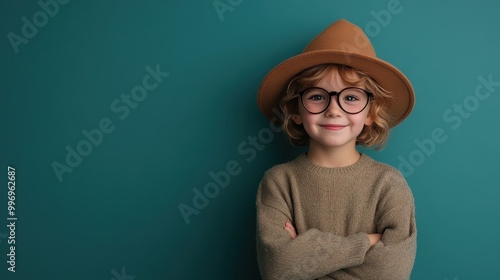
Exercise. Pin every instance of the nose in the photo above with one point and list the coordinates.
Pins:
(333, 109)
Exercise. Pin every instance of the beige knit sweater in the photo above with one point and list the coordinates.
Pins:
(333, 210)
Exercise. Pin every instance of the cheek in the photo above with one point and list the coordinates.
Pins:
(359, 121)
(308, 122)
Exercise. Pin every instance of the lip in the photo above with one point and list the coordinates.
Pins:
(333, 126)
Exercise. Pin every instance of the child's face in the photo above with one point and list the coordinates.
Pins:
(333, 128)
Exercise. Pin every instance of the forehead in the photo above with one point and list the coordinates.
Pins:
(333, 81)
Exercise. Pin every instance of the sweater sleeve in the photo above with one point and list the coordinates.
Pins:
(393, 257)
(312, 254)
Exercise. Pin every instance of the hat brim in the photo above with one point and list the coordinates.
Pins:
(385, 74)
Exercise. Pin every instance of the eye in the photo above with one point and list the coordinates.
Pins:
(351, 98)
(316, 97)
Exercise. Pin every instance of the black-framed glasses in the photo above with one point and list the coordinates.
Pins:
(351, 100)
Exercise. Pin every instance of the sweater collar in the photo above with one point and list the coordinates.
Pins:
(362, 164)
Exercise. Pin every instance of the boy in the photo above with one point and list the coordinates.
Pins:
(334, 213)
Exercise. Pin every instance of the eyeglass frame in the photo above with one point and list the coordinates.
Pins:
(337, 93)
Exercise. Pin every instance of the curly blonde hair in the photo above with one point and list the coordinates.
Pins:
(374, 135)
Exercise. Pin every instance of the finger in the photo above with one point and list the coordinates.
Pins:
(291, 232)
(291, 227)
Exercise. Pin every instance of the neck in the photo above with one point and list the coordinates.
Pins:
(333, 156)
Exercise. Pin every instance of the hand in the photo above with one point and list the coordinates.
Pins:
(289, 227)
(374, 238)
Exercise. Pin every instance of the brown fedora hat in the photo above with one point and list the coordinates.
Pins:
(342, 43)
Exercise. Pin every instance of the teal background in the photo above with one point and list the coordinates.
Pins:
(119, 207)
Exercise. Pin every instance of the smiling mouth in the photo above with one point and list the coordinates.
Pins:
(333, 126)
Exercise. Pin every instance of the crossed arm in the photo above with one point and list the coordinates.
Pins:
(373, 237)
(379, 260)
(388, 253)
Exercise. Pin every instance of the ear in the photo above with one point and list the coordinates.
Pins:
(297, 119)
(368, 120)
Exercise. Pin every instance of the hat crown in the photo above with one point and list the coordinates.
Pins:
(339, 37)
